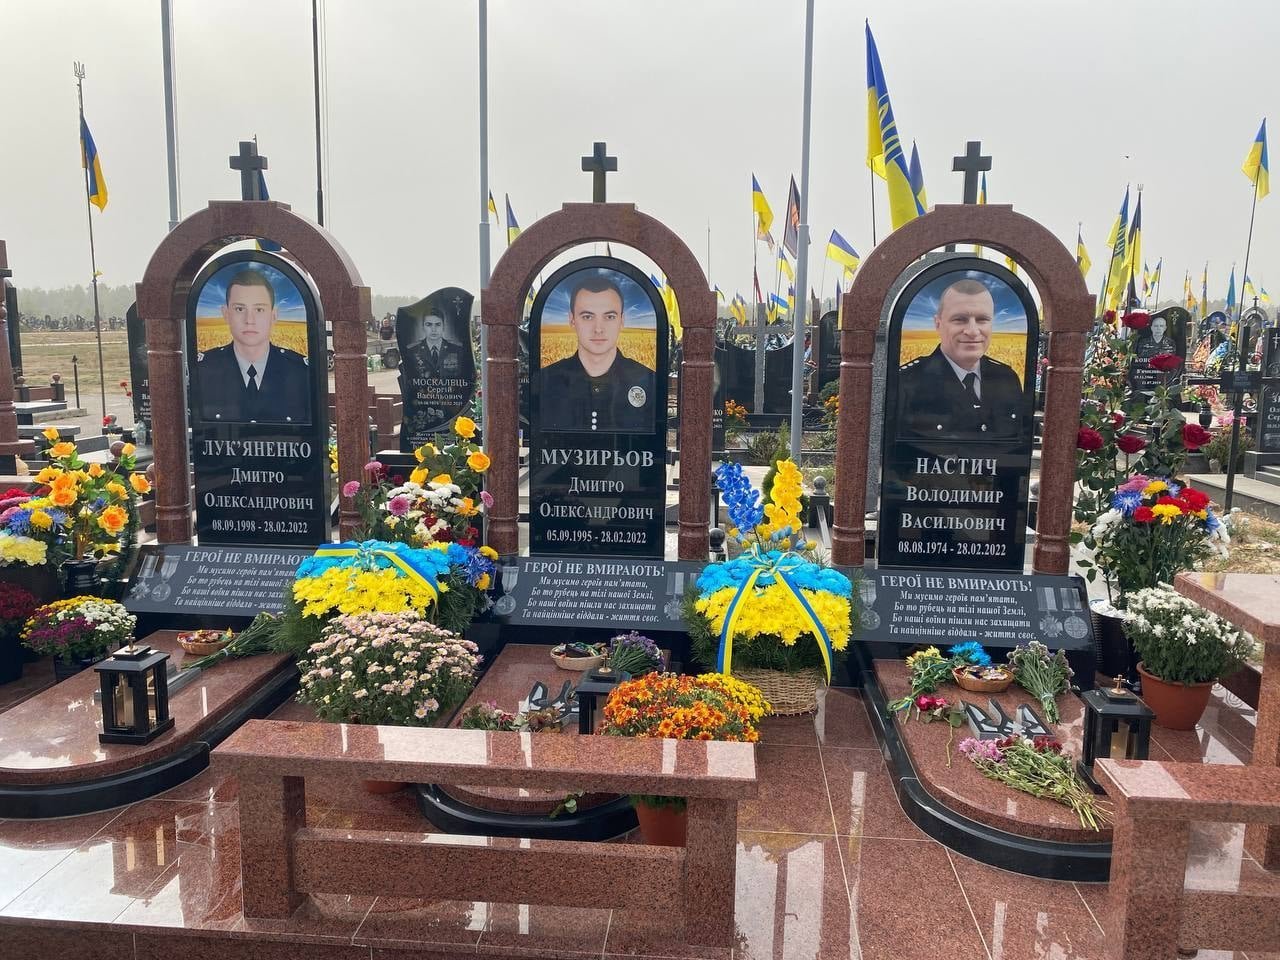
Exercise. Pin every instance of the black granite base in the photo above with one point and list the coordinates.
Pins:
(604, 822)
(42, 801)
(1048, 859)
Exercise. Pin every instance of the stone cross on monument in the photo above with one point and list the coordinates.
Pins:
(250, 165)
(597, 164)
(970, 163)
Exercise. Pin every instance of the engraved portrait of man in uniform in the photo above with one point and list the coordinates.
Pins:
(598, 345)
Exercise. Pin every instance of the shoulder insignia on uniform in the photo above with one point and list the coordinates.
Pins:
(912, 363)
(199, 356)
(307, 361)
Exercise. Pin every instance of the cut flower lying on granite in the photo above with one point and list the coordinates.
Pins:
(1038, 767)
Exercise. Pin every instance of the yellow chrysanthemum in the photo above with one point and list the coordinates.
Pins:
(478, 461)
(483, 581)
(22, 550)
(113, 519)
(41, 520)
(345, 590)
(488, 551)
(773, 612)
(140, 483)
(1154, 487)
(932, 653)
(1167, 512)
(464, 427)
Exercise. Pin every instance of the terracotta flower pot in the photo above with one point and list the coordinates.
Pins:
(662, 826)
(383, 786)
(1177, 706)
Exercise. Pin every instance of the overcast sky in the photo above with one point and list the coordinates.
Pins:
(1072, 99)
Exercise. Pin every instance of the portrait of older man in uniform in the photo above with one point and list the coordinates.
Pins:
(434, 355)
(250, 379)
(597, 388)
(957, 392)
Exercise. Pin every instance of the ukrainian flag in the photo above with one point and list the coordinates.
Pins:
(1263, 296)
(1155, 274)
(917, 178)
(90, 161)
(1247, 290)
(1231, 291)
(784, 265)
(513, 228)
(1118, 240)
(1204, 291)
(493, 207)
(884, 148)
(1255, 162)
(778, 307)
(982, 199)
(738, 309)
(764, 214)
(839, 250)
(719, 294)
(1082, 255)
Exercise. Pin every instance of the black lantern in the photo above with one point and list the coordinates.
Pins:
(135, 695)
(1116, 725)
(597, 683)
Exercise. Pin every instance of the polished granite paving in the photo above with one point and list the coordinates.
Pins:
(828, 866)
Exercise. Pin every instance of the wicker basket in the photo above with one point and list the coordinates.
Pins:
(787, 693)
(195, 644)
(577, 664)
(975, 685)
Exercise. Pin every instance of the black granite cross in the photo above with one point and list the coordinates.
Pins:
(971, 163)
(250, 165)
(598, 164)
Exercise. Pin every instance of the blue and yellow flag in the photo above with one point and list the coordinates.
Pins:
(982, 199)
(1117, 239)
(1133, 246)
(493, 207)
(839, 250)
(1255, 162)
(1082, 255)
(719, 294)
(1247, 291)
(1263, 296)
(1188, 294)
(1231, 291)
(1204, 291)
(269, 246)
(513, 228)
(1146, 278)
(763, 212)
(738, 309)
(90, 161)
(784, 265)
(1155, 274)
(778, 307)
(916, 176)
(884, 147)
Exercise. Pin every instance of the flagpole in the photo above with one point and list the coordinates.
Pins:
(483, 65)
(93, 256)
(315, 84)
(170, 123)
(799, 308)
(1156, 301)
(1241, 343)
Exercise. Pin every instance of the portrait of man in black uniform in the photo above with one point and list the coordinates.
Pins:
(957, 392)
(597, 388)
(250, 379)
(434, 355)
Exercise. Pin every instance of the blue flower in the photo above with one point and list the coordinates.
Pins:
(972, 652)
(19, 522)
(1127, 501)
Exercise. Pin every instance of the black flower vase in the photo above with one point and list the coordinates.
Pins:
(79, 577)
(1206, 415)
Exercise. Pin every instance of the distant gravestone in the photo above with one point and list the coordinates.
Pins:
(437, 366)
(1211, 333)
(257, 405)
(828, 348)
(736, 366)
(958, 419)
(598, 412)
(139, 378)
(1166, 333)
(15, 328)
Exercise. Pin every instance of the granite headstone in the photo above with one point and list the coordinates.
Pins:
(437, 366)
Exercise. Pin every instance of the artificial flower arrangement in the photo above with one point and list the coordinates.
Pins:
(1106, 436)
(78, 511)
(489, 716)
(78, 628)
(1180, 641)
(387, 668)
(17, 604)
(929, 670)
(1039, 767)
(775, 607)
(1154, 529)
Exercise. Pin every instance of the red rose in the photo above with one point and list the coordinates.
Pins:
(1143, 515)
(1089, 439)
(1117, 420)
(1195, 499)
(1137, 320)
(1130, 442)
(1165, 361)
(1195, 436)
(1110, 317)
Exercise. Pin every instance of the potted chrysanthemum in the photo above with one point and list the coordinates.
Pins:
(774, 615)
(708, 707)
